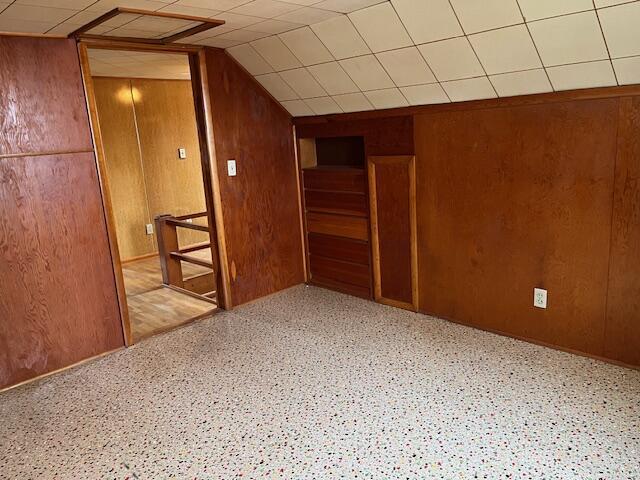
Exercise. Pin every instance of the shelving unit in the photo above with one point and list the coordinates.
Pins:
(337, 214)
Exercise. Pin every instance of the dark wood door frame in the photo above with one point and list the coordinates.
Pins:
(204, 120)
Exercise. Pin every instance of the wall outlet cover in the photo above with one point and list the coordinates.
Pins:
(539, 298)
(182, 153)
(231, 168)
(149, 228)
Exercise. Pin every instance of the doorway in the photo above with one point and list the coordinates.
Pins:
(156, 180)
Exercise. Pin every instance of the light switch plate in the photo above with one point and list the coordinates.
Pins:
(182, 153)
(539, 298)
(231, 168)
(149, 228)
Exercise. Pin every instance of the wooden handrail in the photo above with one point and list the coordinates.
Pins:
(195, 247)
(183, 224)
(191, 215)
(189, 259)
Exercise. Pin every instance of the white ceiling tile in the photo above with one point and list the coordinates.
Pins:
(582, 75)
(303, 3)
(346, 6)
(306, 46)
(621, 27)
(506, 50)
(452, 59)
(303, 83)
(480, 15)
(265, 8)
(103, 6)
(274, 26)
(186, 10)
(469, 89)
(353, 102)
(277, 87)
(521, 83)
(323, 105)
(297, 108)
(367, 73)
(608, 3)
(380, 27)
(242, 35)
(37, 14)
(234, 20)
(24, 26)
(537, 9)
(219, 42)
(428, 20)
(250, 59)
(425, 94)
(406, 67)
(69, 4)
(276, 53)
(333, 78)
(569, 39)
(220, 5)
(62, 29)
(340, 37)
(308, 16)
(627, 70)
(387, 98)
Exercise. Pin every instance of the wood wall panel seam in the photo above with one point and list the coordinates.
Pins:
(43, 154)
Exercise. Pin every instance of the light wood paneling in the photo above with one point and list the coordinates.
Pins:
(58, 303)
(622, 335)
(259, 205)
(166, 121)
(515, 198)
(124, 166)
(42, 106)
(143, 123)
(392, 193)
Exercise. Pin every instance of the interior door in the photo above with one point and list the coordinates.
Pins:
(392, 197)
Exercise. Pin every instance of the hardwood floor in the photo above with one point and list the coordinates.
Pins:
(153, 307)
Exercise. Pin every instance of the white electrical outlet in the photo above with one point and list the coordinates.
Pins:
(539, 298)
(149, 228)
(231, 168)
(182, 153)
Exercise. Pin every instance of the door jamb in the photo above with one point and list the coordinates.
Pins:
(209, 169)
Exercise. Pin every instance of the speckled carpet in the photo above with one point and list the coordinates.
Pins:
(314, 384)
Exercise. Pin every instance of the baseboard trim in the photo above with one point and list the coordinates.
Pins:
(60, 370)
(540, 343)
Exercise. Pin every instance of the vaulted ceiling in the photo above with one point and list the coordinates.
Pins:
(328, 56)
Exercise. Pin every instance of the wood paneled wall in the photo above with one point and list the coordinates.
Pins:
(143, 123)
(58, 300)
(260, 206)
(514, 194)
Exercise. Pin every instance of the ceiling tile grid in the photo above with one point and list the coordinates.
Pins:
(329, 56)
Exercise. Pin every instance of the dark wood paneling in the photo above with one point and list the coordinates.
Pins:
(383, 136)
(515, 198)
(338, 225)
(335, 180)
(336, 202)
(339, 248)
(42, 107)
(393, 227)
(259, 205)
(336, 270)
(363, 292)
(58, 303)
(622, 335)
